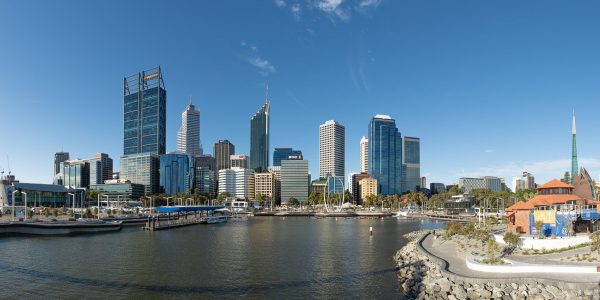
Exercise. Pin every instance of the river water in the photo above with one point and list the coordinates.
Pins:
(263, 257)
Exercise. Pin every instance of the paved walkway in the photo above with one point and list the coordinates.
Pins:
(456, 258)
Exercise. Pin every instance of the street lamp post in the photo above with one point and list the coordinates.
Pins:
(98, 209)
(25, 214)
(168, 200)
(13, 204)
(73, 203)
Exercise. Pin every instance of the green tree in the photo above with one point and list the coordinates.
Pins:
(370, 200)
(313, 198)
(223, 196)
(92, 195)
(293, 202)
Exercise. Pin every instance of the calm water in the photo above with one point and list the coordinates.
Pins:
(264, 257)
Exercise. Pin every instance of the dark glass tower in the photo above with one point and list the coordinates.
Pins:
(574, 165)
(144, 114)
(280, 154)
(385, 154)
(259, 138)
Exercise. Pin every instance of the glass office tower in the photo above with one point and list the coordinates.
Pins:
(285, 153)
(411, 156)
(177, 172)
(259, 139)
(385, 154)
(144, 118)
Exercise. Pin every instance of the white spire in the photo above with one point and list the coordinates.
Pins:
(574, 128)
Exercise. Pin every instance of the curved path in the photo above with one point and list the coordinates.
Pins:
(453, 263)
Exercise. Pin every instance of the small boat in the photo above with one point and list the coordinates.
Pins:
(408, 211)
(216, 219)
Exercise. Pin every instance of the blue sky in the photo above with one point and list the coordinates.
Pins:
(488, 86)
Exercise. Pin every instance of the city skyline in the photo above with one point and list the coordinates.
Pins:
(477, 147)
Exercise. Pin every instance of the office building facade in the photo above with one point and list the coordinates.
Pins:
(237, 182)
(491, 183)
(385, 154)
(76, 173)
(280, 154)
(206, 175)
(119, 190)
(142, 169)
(265, 186)
(259, 138)
(437, 188)
(364, 154)
(411, 159)
(177, 173)
(294, 180)
(59, 157)
(188, 136)
(355, 178)
(145, 113)
(332, 158)
(222, 152)
(368, 187)
(238, 161)
(101, 168)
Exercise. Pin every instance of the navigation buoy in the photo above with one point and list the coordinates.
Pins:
(371, 230)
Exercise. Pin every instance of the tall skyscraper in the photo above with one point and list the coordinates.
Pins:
(59, 157)
(259, 138)
(385, 154)
(76, 173)
(222, 152)
(101, 168)
(411, 159)
(188, 136)
(574, 166)
(145, 115)
(364, 154)
(280, 154)
(332, 158)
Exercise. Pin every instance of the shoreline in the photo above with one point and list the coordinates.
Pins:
(422, 275)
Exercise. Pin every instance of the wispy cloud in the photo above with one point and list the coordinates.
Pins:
(369, 3)
(296, 10)
(488, 150)
(280, 3)
(264, 66)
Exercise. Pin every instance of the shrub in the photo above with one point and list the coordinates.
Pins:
(452, 228)
(511, 239)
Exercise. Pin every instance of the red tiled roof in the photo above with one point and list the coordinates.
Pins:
(555, 183)
(541, 200)
(521, 205)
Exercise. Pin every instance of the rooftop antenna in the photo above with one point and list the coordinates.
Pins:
(190, 100)
(8, 161)
(267, 91)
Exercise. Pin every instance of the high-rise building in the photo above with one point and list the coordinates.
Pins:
(188, 136)
(259, 138)
(76, 173)
(206, 175)
(294, 180)
(239, 161)
(145, 113)
(177, 172)
(437, 188)
(223, 150)
(364, 154)
(142, 168)
(574, 165)
(276, 170)
(238, 182)
(332, 149)
(59, 157)
(355, 178)
(525, 182)
(101, 168)
(368, 187)
(411, 159)
(423, 182)
(491, 183)
(265, 186)
(385, 155)
(280, 154)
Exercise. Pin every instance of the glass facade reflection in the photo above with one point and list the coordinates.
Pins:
(259, 139)
(385, 154)
(284, 153)
(177, 172)
(144, 116)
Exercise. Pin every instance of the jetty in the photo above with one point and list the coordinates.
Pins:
(179, 216)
